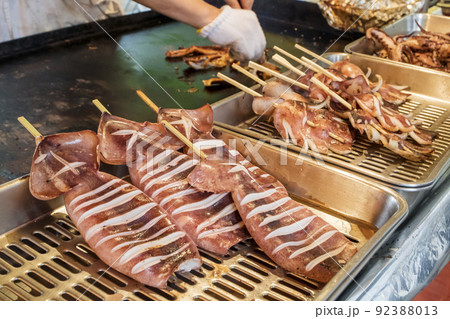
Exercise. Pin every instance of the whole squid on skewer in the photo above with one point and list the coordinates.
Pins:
(391, 95)
(303, 122)
(344, 69)
(123, 226)
(299, 120)
(319, 130)
(379, 100)
(363, 120)
(369, 125)
(211, 220)
(288, 232)
(356, 100)
(357, 90)
(340, 70)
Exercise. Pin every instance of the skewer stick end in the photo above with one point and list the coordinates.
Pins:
(249, 74)
(311, 53)
(238, 85)
(100, 106)
(30, 128)
(276, 74)
(147, 101)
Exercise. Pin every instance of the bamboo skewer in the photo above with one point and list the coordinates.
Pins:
(147, 101)
(321, 70)
(318, 57)
(276, 74)
(249, 74)
(238, 85)
(278, 58)
(183, 138)
(170, 127)
(100, 106)
(302, 62)
(30, 128)
(289, 55)
(331, 92)
(293, 57)
(309, 64)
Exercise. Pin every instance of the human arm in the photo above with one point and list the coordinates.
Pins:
(196, 13)
(236, 28)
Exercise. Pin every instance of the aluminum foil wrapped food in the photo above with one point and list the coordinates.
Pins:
(360, 15)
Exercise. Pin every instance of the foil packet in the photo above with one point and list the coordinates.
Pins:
(359, 15)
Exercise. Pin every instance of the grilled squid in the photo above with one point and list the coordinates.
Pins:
(310, 128)
(288, 232)
(159, 170)
(123, 226)
(303, 122)
(202, 57)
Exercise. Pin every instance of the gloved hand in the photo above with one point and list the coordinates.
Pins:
(239, 29)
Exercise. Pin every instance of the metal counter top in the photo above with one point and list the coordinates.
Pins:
(412, 257)
(53, 87)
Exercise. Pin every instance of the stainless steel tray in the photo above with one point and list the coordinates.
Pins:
(43, 256)
(406, 25)
(429, 101)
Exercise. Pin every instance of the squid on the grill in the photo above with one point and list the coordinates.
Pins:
(123, 226)
(303, 122)
(202, 57)
(373, 110)
(369, 125)
(288, 232)
(159, 170)
(390, 94)
(371, 102)
(316, 129)
(197, 50)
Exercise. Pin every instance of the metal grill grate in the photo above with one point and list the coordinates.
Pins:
(375, 160)
(47, 259)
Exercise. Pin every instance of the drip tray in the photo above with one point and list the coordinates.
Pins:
(47, 259)
(429, 102)
(44, 257)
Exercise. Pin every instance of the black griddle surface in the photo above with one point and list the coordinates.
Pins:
(53, 87)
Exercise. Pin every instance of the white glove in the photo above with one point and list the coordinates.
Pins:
(239, 29)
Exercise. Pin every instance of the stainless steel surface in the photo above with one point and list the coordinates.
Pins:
(413, 257)
(45, 258)
(406, 25)
(429, 102)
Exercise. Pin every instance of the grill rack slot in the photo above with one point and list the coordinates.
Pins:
(67, 270)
